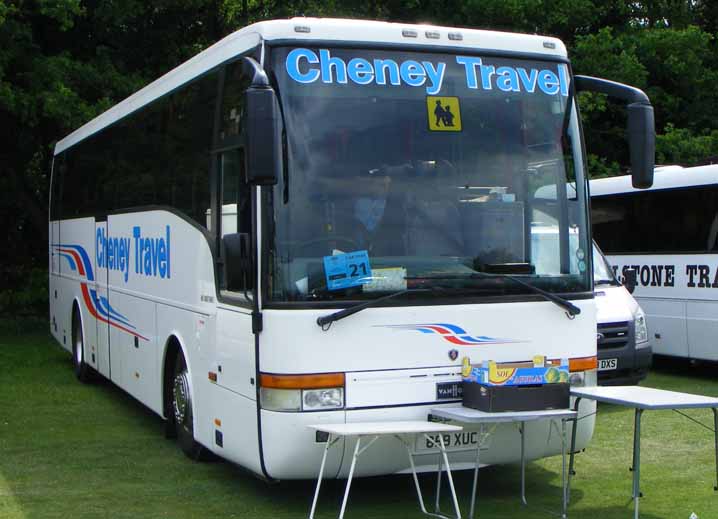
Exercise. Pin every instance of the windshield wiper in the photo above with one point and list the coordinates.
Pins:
(603, 282)
(325, 321)
(571, 309)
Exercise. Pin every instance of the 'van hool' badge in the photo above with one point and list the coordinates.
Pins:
(453, 354)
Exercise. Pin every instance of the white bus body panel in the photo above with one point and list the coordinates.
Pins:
(381, 338)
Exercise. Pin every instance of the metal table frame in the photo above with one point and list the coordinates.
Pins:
(643, 399)
(467, 416)
(373, 431)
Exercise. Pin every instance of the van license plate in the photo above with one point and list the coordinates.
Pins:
(607, 364)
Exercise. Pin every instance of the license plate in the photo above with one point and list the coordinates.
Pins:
(466, 439)
(607, 364)
(449, 390)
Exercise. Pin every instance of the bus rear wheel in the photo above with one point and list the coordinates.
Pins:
(83, 372)
(182, 411)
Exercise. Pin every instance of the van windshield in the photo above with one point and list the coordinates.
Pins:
(602, 270)
(407, 165)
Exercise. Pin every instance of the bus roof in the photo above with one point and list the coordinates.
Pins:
(313, 30)
(664, 177)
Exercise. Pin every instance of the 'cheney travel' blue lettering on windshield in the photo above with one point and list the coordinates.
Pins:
(307, 66)
(150, 255)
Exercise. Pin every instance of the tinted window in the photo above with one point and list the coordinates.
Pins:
(158, 155)
(676, 220)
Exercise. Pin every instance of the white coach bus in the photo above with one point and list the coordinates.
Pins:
(668, 235)
(314, 221)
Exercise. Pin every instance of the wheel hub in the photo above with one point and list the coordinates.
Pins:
(181, 397)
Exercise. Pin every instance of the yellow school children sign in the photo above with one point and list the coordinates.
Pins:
(444, 114)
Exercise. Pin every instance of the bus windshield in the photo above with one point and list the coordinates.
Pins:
(407, 169)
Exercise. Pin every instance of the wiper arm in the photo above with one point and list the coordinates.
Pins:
(599, 282)
(571, 309)
(325, 321)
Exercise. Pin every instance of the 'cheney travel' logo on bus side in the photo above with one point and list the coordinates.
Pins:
(150, 256)
(451, 333)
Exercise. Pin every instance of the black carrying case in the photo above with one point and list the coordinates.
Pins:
(491, 399)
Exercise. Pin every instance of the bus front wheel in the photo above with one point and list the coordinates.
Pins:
(183, 412)
(82, 370)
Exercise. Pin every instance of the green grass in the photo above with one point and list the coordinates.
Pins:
(69, 450)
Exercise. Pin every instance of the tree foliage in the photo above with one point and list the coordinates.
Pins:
(62, 62)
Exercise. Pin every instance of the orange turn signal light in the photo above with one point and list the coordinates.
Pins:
(314, 381)
(583, 363)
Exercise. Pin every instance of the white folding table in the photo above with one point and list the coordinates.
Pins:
(643, 399)
(373, 431)
(468, 416)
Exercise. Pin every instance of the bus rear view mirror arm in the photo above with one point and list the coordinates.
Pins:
(641, 125)
(263, 128)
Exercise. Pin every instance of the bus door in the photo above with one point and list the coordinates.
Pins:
(235, 340)
(102, 354)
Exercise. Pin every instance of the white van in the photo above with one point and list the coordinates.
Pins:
(624, 352)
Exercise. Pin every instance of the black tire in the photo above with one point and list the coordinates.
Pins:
(83, 372)
(182, 411)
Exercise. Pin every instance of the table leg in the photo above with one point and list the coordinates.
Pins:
(439, 470)
(416, 478)
(572, 450)
(321, 474)
(636, 461)
(564, 509)
(476, 472)
(349, 478)
(448, 474)
(715, 435)
(522, 428)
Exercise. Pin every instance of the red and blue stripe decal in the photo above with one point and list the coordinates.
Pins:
(98, 306)
(452, 333)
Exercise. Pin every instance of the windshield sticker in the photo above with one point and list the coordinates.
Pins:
(386, 280)
(347, 270)
(444, 114)
(308, 66)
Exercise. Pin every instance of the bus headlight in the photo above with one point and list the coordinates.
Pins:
(295, 393)
(295, 400)
(321, 399)
(640, 328)
(280, 399)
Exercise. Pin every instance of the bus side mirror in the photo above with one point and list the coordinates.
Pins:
(263, 129)
(642, 144)
(630, 279)
(641, 126)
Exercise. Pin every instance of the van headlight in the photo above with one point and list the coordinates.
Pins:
(640, 328)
